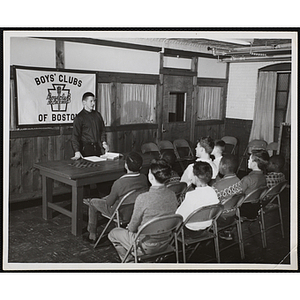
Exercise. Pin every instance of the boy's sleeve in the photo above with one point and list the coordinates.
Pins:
(245, 183)
(137, 215)
(114, 193)
(186, 176)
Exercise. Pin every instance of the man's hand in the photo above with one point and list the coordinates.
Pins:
(77, 155)
(105, 146)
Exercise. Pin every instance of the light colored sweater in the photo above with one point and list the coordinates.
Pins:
(157, 202)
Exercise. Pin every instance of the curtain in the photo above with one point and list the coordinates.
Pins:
(264, 109)
(288, 110)
(104, 96)
(138, 102)
(12, 105)
(209, 103)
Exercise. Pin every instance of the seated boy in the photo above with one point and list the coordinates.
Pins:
(274, 170)
(158, 201)
(133, 180)
(257, 162)
(225, 188)
(203, 150)
(203, 195)
(230, 184)
(217, 152)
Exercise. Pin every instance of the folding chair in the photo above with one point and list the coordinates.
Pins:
(269, 197)
(121, 215)
(272, 148)
(231, 212)
(211, 212)
(156, 228)
(254, 144)
(230, 141)
(179, 188)
(183, 150)
(254, 198)
(165, 145)
(152, 149)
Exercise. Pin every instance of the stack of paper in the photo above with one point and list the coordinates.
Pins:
(94, 158)
(110, 156)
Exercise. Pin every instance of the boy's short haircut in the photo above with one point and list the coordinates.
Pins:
(230, 163)
(261, 157)
(207, 143)
(278, 160)
(160, 169)
(203, 171)
(134, 162)
(221, 144)
(87, 94)
(169, 157)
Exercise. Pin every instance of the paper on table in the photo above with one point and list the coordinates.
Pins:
(110, 155)
(94, 158)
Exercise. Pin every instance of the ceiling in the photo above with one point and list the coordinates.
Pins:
(238, 50)
(224, 49)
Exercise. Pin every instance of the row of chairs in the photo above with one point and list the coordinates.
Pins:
(180, 147)
(174, 224)
(272, 148)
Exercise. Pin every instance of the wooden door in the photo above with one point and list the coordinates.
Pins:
(177, 107)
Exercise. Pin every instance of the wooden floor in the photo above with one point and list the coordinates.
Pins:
(34, 240)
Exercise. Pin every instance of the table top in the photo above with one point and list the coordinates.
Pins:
(71, 169)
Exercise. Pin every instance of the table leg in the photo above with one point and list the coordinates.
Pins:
(77, 197)
(47, 196)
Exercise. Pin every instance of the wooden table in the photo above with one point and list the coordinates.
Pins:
(66, 172)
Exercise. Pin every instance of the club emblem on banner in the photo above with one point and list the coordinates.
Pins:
(58, 97)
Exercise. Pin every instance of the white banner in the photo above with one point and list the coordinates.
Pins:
(51, 97)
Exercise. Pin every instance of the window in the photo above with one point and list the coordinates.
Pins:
(177, 107)
(137, 103)
(209, 103)
(281, 102)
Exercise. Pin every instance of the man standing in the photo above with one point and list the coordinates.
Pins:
(88, 130)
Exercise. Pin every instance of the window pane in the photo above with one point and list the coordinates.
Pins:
(279, 117)
(209, 103)
(138, 102)
(281, 101)
(283, 82)
(176, 107)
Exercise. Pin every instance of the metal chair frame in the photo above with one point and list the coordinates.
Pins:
(211, 212)
(179, 188)
(255, 197)
(230, 140)
(233, 204)
(150, 147)
(115, 217)
(269, 196)
(182, 143)
(157, 226)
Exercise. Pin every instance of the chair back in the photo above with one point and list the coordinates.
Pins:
(205, 213)
(178, 188)
(182, 148)
(272, 146)
(161, 225)
(268, 195)
(231, 141)
(257, 145)
(165, 145)
(254, 196)
(151, 148)
(233, 202)
(126, 205)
